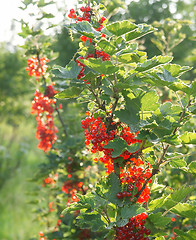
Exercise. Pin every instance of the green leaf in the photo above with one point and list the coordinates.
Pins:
(185, 210)
(69, 72)
(193, 89)
(133, 147)
(70, 92)
(42, 3)
(184, 235)
(179, 194)
(154, 62)
(149, 102)
(113, 187)
(160, 238)
(157, 203)
(167, 109)
(177, 163)
(107, 46)
(46, 15)
(188, 138)
(129, 58)
(129, 211)
(130, 115)
(84, 28)
(118, 145)
(142, 30)
(192, 167)
(103, 67)
(158, 220)
(90, 220)
(120, 28)
(176, 70)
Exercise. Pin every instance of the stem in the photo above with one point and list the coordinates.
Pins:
(108, 219)
(61, 120)
(162, 155)
(96, 98)
(154, 172)
(56, 107)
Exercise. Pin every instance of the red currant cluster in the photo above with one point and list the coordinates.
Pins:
(72, 14)
(71, 188)
(46, 130)
(35, 68)
(134, 229)
(103, 55)
(50, 91)
(95, 133)
(133, 179)
(86, 14)
(101, 24)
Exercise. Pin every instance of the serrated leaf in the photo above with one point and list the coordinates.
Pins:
(103, 67)
(129, 211)
(158, 220)
(193, 89)
(188, 138)
(130, 115)
(176, 70)
(185, 210)
(149, 102)
(70, 92)
(184, 235)
(157, 203)
(90, 220)
(122, 222)
(192, 167)
(154, 62)
(142, 30)
(157, 187)
(177, 163)
(129, 58)
(118, 145)
(120, 28)
(133, 147)
(84, 28)
(69, 72)
(113, 187)
(179, 194)
(107, 46)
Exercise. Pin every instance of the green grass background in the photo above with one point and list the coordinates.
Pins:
(18, 145)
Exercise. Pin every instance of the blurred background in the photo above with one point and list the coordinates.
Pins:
(19, 156)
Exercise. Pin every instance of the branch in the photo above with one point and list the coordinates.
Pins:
(61, 120)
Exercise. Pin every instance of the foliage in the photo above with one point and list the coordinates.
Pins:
(138, 128)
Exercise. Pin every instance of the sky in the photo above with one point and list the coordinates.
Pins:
(9, 10)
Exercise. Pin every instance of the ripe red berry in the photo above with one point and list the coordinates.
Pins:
(130, 188)
(119, 195)
(88, 9)
(129, 194)
(72, 10)
(82, 9)
(124, 193)
(147, 232)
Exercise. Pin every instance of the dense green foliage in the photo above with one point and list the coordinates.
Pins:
(19, 160)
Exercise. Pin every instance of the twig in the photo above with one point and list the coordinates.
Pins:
(61, 120)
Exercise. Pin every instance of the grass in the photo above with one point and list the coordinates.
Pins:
(19, 160)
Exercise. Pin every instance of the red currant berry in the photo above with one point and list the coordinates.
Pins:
(119, 195)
